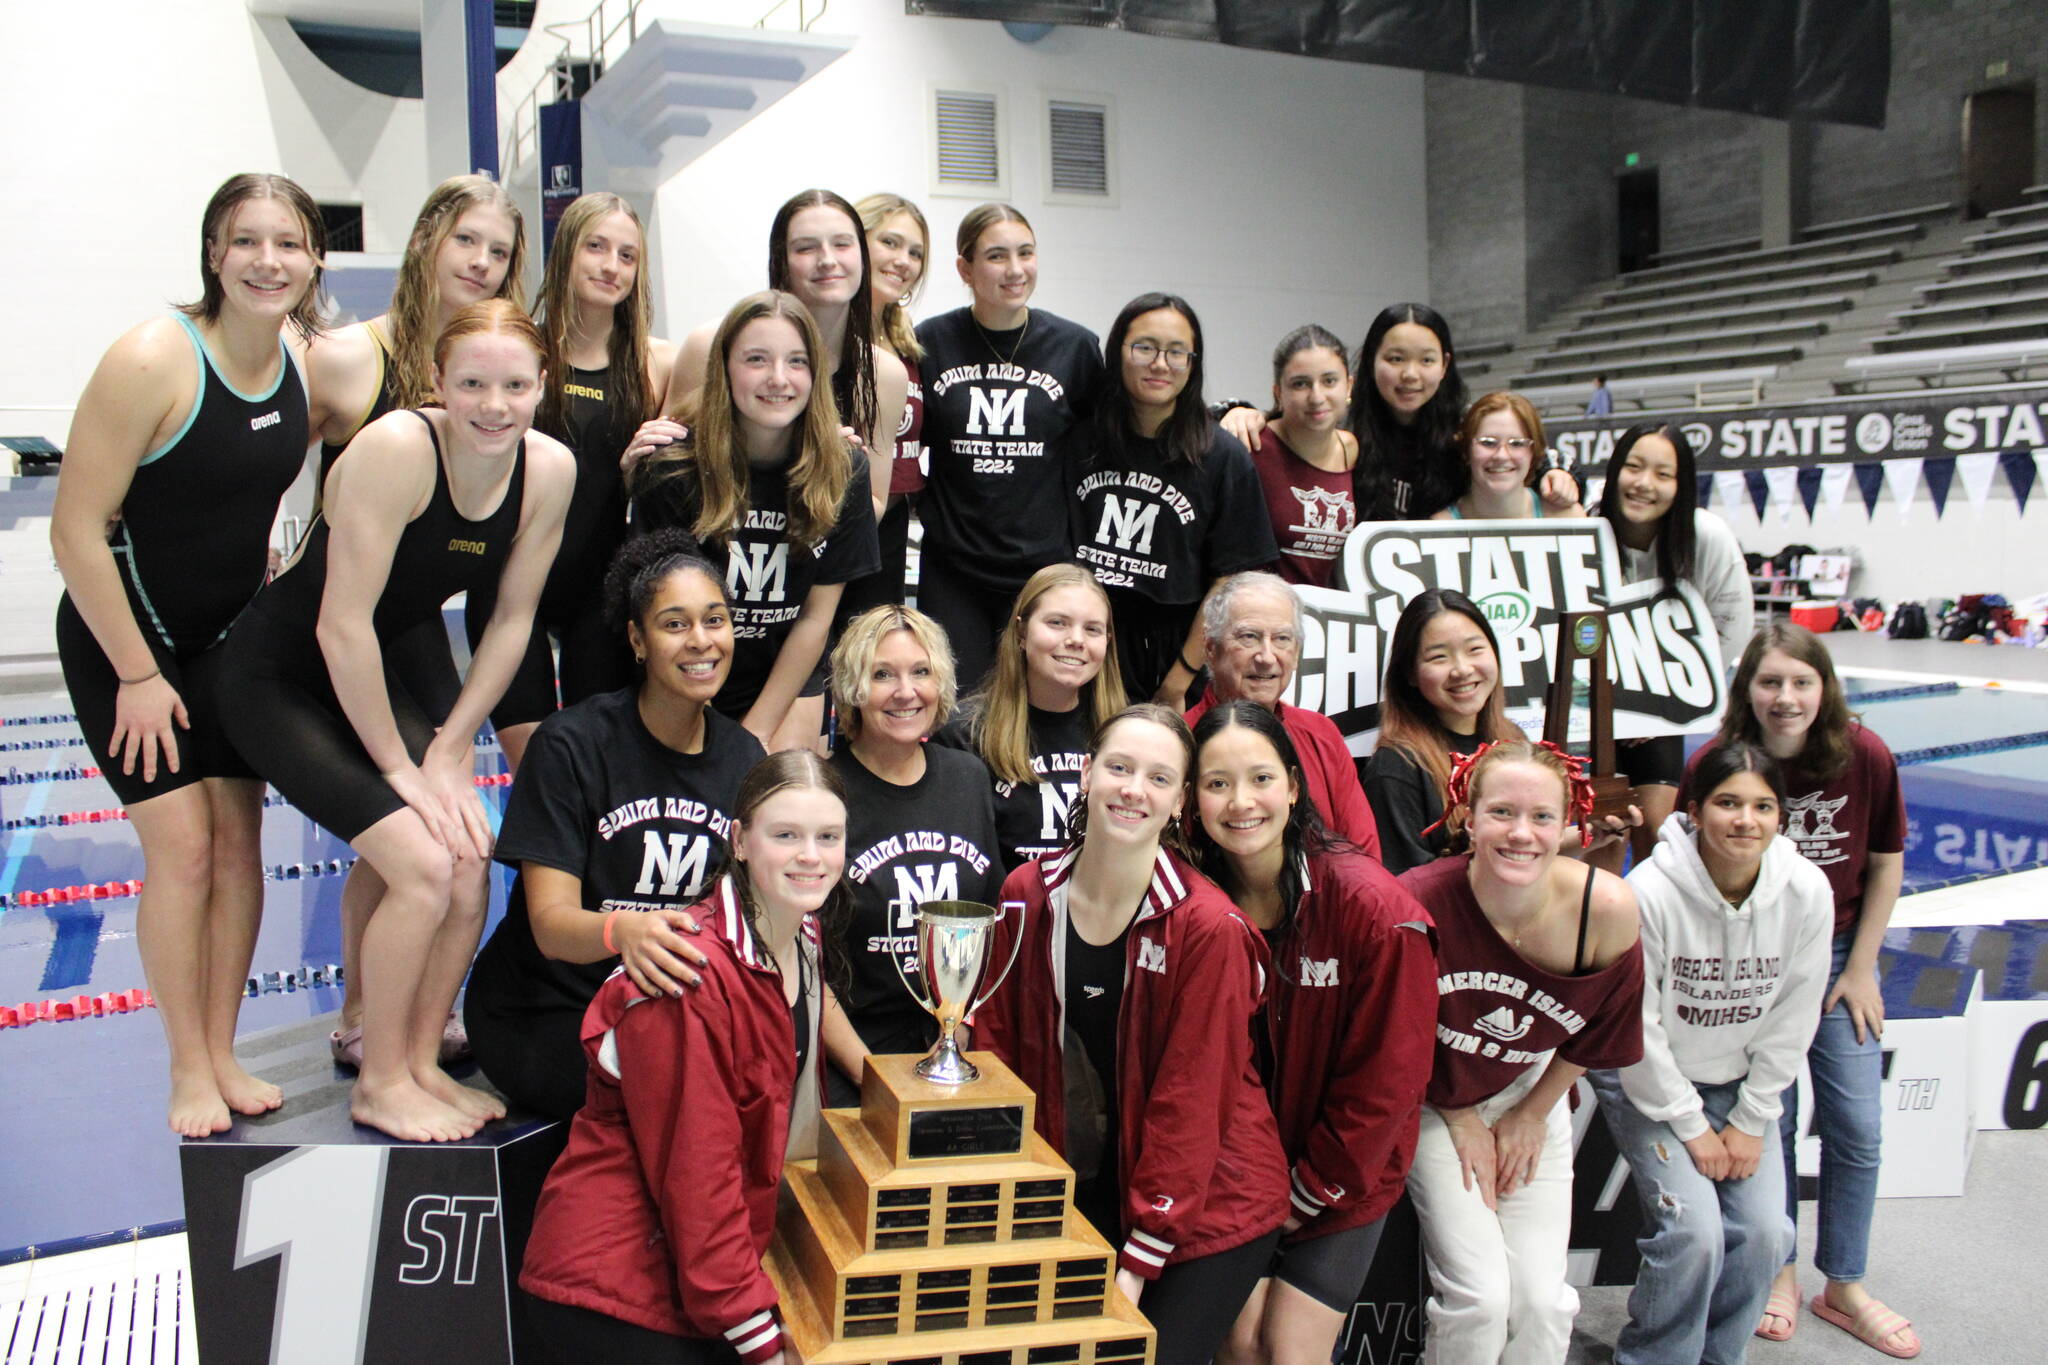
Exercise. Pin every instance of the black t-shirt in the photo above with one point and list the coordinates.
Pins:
(1164, 530)
(767, 577)
(642, 826)
(997, 434)
(934, 839)
(1405, 801)
(1094, 996)
(1033, 819)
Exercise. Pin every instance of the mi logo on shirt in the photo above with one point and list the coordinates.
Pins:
(758, 572)
(1128, 523)
(1152, 956)
(1056, 804)
(1501, 1024)
(996, 414)
(920, 883)
(681, 862)
(468, 547)
(268, 419)
(1314, 973)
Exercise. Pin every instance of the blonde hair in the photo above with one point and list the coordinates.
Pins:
(417, 298)
(892, 324)
(1001, 725)
(818, 474)
(632, 316)
(1522, 410)
(854, 658)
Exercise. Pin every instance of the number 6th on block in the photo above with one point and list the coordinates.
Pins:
(318, 1209)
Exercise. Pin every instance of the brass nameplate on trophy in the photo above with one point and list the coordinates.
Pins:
(913, 1119)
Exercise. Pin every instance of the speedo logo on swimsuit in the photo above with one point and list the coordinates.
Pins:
(468, 547)
(268, 419)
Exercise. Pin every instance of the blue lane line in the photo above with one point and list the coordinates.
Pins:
(1939, 689)
(20, 840)
(1938, 752)
(73, 947)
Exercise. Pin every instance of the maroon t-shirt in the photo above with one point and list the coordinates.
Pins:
(1837, 825)
(1497, 1013)
(1312, 511)
(906, 471)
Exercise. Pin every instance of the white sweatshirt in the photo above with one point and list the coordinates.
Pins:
(1719, 573)
(1729, 993)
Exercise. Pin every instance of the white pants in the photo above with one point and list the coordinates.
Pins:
(1498, 1274)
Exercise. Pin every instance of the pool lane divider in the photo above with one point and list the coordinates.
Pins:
(1936, 753)
(1939, 689)
(305, 978)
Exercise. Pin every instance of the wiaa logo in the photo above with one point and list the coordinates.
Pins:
(1501, 1024)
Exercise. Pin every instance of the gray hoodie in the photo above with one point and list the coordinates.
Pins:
(1729, 992)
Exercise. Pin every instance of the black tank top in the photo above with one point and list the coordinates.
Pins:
(597, 428)
(440, 553)
(385, 401)
(193, 541)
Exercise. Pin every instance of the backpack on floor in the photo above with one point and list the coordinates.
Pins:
(1909, 622)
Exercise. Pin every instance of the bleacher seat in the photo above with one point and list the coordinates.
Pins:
(2012, 359)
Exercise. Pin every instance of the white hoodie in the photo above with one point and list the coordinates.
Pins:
(1729, 993)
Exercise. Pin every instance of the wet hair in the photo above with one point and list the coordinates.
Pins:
(1217, 605)
(1304, 832)
(643, 564)
(853, 378)
(1724, 761)
(978, 220)
(1000, 712)
(489, 317)
(713, 462)
(632, 316)
(1828, 748)
(1433, 434)
(219, 218)
(777, 773)
(1516, 406)
(1167, 719)
(892, 326)
(1408, 723)
(1185, 435)
(416, 300)
(853, 660)
(1677, 540)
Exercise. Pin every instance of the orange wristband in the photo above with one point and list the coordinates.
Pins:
(608, 933)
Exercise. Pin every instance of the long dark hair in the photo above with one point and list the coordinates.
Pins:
(1828, 748)
(776, 773)
(1186, 433)
(1304, 833)
(642, 564)
(1408, 723)
(1676, 540)
(1433, 435)
(853, 379)
(1724, 761)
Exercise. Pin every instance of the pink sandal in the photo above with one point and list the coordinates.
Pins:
(1873, 1325)
(1782, 1305)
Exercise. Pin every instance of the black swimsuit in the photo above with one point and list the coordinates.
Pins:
(286, 719)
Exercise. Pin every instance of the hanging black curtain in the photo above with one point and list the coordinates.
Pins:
(1828, 60)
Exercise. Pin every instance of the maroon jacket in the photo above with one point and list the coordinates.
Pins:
(1327, 769)
(1198, 1156)
(660, 1209)
(1353, 1023)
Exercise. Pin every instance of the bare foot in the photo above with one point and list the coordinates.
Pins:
(244, 1093)
(478, 1104)
(405, 1111)
(197, 1109)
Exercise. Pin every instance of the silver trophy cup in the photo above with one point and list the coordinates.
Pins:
(952, 952)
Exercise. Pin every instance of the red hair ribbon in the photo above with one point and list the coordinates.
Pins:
(1578, 787)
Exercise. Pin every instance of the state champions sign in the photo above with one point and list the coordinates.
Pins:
(1664, 657)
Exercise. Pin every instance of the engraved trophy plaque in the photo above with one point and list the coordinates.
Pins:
(952, 954)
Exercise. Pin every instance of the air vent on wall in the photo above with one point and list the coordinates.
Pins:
(967, 142)
(1079, 141)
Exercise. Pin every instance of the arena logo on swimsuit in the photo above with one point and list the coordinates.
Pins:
(1663, 655)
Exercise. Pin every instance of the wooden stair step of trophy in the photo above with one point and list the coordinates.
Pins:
(936, 1227)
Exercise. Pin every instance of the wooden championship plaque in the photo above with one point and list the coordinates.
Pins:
(936, 1227)
(1583, 635)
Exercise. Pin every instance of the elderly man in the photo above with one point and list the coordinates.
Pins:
(1252, 626)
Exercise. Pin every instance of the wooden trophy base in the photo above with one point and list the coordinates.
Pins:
(948, 1257)
(1612, 796)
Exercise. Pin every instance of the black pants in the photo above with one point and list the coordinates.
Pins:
(972, 613)
(1194, 1303)
(885, 584)
(534, 1056)
(577, 1336)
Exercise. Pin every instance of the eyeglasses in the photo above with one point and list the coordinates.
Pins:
(1145, 352)
(1520, 445)
(1279, 641)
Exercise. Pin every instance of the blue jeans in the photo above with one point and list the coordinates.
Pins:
(1849, 1120)
(1709, 1248)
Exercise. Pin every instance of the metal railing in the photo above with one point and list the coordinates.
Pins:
(576, 65)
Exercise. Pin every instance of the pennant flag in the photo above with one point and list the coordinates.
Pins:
(1976, 471)
(1706, 488)
(1834, 485)
(1941, 475)
(2019, 475)
(1902, 481)
(1783, 481)
(1869, 478)
(1759, 491)
(1809, 487)
(1728, 490)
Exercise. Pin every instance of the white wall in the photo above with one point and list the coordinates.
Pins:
(1269, 190)
(119, 120)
